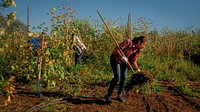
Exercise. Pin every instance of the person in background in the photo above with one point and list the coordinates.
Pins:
(79, 48)
(131, 50)
(35, 40)
(34, 44)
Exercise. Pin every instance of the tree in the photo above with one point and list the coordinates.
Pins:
(2, 21)
(10, 16)
(15, 27)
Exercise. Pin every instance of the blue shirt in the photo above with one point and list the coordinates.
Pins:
(35, 42)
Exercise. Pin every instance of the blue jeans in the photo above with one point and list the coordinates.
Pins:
(79, 57)
(120, 72)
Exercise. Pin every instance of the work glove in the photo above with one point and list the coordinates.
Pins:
(138, 70)
(124, 59)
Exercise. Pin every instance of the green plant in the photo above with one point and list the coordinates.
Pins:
(185, 89)
(5, 4)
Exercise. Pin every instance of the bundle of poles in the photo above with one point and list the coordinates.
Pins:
(113, 37)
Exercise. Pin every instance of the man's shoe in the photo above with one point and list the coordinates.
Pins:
(119, 98)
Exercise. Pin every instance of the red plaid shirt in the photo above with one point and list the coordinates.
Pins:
(128, 48)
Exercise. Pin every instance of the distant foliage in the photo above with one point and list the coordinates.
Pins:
(10, 16)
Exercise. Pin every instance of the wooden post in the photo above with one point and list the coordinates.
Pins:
(129, 27)
(28, 20)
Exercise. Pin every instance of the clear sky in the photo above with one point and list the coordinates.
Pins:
(171, 13)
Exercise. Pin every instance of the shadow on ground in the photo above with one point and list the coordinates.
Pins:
(66, 97)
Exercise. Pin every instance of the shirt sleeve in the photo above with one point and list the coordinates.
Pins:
(134, 57)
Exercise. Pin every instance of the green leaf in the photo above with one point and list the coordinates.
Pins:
(62, 75)
(53, 83)
(13, 67)
(53, 9)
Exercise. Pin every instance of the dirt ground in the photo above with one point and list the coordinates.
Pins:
(92, 100)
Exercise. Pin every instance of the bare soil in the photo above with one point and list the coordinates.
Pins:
(91, 99)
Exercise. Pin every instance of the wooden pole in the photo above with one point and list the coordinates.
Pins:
(120, 51)
(28, 20)
(129, 26)
(40, 69)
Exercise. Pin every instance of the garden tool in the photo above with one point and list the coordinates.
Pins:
(119, 51)
(40, 68)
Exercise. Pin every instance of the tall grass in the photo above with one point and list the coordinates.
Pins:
(170, 56)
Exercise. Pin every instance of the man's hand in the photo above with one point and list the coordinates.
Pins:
(124, 59)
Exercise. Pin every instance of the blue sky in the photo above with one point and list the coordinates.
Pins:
(171, 13)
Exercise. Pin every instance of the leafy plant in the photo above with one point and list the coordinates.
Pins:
(185, 89)
(9, 88)
(5, 4)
